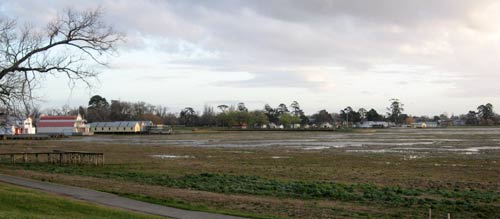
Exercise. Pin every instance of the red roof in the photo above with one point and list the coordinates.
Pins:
(58, 117)
(55, 124)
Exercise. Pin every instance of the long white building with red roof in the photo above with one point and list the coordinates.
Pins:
(64, 125)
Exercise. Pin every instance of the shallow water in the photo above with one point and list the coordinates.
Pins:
(169, 156)
(451, 140)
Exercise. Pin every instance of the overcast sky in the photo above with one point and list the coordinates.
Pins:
(435, 56)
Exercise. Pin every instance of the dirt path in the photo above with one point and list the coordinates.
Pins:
(111, 199)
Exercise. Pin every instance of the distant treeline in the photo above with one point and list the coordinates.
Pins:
(99, 110)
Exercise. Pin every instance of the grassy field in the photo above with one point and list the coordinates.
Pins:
(364, 174)
(16, 202)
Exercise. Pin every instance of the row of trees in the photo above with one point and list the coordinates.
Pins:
(239, 115)
(99, 109)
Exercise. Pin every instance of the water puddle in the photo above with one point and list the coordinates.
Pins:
(169, 156)
(279, 157)
(316, 148)
(469, 150)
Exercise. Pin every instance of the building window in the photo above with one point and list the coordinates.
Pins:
(109, 128)
(102, 129)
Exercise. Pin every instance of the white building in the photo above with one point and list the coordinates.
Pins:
(326, 125)
(257, 126)
(65, 125)
(425, 125)
(23, 127)
(118, 127)
(272, 126)
(373, 124)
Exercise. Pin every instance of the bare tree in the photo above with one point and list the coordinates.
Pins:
(68, 45)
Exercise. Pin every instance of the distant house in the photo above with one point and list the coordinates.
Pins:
(145, 124)
(159, 129)
(23, 127)
(326, 125)
(373, 124)
(425, 125)
(295, 126)
(458, 122)
(13, 126)
(257, 126)
(272, 126)
(63, 125)
(119, 127)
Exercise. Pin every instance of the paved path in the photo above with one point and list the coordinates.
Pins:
(111, 199)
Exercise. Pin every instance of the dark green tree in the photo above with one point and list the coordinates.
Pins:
(372, 115)
(471, 118)
(486, 114)
(297, 111)
(271, 114)
(188, 116)
(395, 111)
(98, 109)
(321, 117)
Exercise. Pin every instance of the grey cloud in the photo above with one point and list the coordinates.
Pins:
(272, 39)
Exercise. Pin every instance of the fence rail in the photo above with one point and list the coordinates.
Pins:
(55, 157)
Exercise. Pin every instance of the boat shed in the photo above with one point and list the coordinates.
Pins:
(117, 127)
(62, 125)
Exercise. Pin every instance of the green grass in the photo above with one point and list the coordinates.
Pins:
(16, 202)
(471, 202)
(188, 206)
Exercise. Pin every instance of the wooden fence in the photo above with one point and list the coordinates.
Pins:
(55, 157)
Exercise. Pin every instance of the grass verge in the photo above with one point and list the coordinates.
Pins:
(17, 202)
